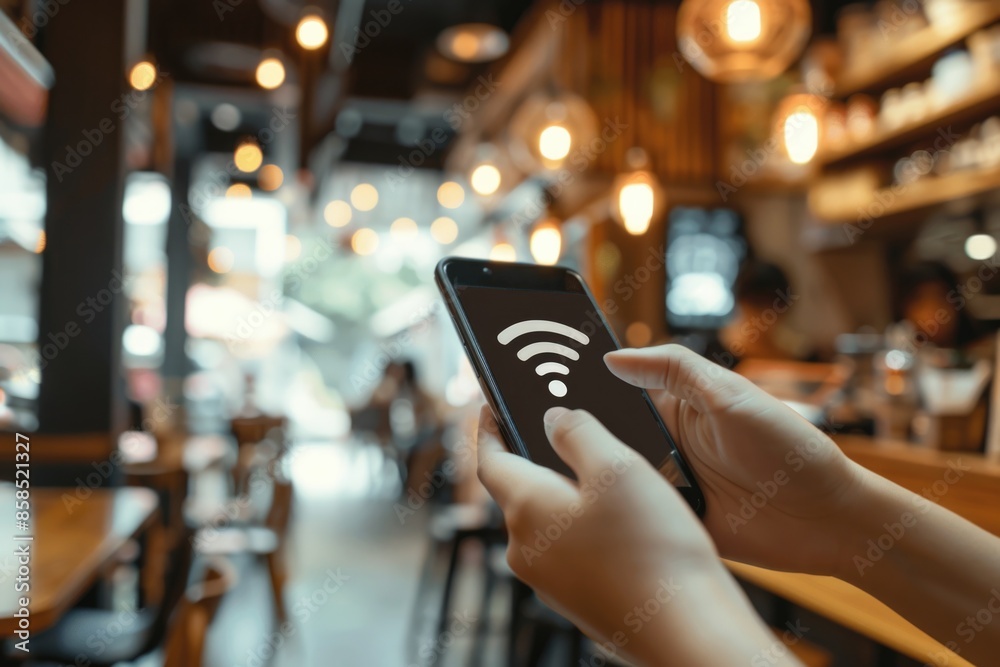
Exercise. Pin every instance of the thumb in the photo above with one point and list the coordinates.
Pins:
(683, 374)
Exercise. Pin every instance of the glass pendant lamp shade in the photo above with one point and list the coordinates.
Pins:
(732, 41)
(637, 197)
(547, 129)
(798, 126)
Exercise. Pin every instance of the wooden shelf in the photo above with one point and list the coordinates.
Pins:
(911, 58)
(973, 107)
(923, 195)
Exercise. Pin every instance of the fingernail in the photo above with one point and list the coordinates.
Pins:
(552, 414)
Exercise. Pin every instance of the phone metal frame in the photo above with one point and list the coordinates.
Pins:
(520, 276)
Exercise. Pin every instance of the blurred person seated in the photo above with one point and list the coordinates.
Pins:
(759, 328)
(933, 309)
(406, 421)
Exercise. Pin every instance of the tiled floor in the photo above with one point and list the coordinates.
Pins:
(354, 572)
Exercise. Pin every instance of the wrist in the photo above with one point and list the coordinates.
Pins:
(878, 511)
(708, 621)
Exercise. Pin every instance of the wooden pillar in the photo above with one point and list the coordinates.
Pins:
(82, 300)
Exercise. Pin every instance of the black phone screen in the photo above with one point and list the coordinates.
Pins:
(546, 348)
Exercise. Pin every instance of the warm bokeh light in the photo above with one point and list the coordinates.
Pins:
(270, 177)
(546, 243)
(638, 334)
(142, 76)
(239, 190)
(743, 21)
(485, 179)
(444, 230)
(554, 142)
(364, 241)
(293, 247)
(473, 42)
(364, 197)
(465, 45)
(338, 213)
(221, 259)
(980, 246)
(248, 157)
(270, 73)
(635, 203)
(451, 194)
(503, 252)
(403, 228)
(311, 33)
(801, 135)
(40, 244)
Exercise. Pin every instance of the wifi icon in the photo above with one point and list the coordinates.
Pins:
(556, 387)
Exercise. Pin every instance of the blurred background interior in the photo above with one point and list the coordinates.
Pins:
(251, 420)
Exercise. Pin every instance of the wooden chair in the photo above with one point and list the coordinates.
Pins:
(249, 433)
(264, 539)
(186, 641)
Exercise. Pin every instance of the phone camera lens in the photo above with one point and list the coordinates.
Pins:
(487, 270)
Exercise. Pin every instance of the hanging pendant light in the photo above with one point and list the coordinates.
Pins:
(637, 197)
(798, 126)
(731, 41)
(547, 129)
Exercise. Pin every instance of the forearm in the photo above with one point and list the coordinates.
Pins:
(710, 623)
(935, 568)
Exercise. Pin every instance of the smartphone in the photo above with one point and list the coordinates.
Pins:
(536, 339)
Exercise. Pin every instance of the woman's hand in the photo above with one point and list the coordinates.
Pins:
(779, 493)
(618, 552)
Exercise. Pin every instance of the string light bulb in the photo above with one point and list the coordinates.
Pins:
(546, 243)
(248, 157)
(444, 230)
(485, 179)
(142, 76)
(270, 73)
(503, 252)
(311, 33)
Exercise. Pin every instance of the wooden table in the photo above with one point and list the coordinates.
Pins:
(976, 497)
(73, 542)
(851, 608)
